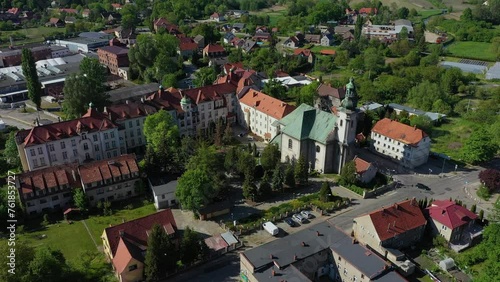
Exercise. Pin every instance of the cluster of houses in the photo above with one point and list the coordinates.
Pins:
(372, 252)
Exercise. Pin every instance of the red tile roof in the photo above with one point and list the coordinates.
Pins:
(399, 131)
(216, 242)
(209, 92)
(266, 104)
(361, 165)
(188, 46)
(107, 169)
(90, 122)
(50, 177)
(302, 51)
(213, 48)
(125, 251)
(54, 20)
(368, 11)
(68, 11)
(129, 110)
(450, 214)
(136, 230)
(326, 90)
(328, 52)
(14, 11)
(116, 5)
(397, 219)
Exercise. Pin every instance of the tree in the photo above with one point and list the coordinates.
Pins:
(80, 200)
(231, 159)
(270, 157)
(478, 147)
(422, 122)
(275, 89)
(348, 175)
(48, 265)
(403, 13)
(246, 164)
(162, 137)
(265, 188)
(491, 179)
(11, 154)
(205, 76)
(130, 17)
(190, 246)
(195, 189)
(30, 73)
(249, 189)
(209, 33)
(161, 255)
(23, 256)
(228, 134)
(80, 92)
(277, 180)
(325, 191)
(301, 170)
(289, 176)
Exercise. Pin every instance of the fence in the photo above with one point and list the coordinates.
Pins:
(379, 190)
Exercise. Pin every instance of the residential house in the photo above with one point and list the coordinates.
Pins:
(111, 180)
(236, 13)
(435, 117)
(345, 32)
(85, 13)
(228, 37)
(111, 17)
(249, 46)
(200, 40)
(54, 22)
(365, 171)
(261, 29)
(125, 244)
(262, 36)
(217, 17)
(69, 20)
(313, 38)
(91, 137)
(259, 113)
(329, 97)
(116, 6)
(292, 42)
(126, 36)
(304, 53)
(327, 40)
(169, 28)
(113, 57)
(222, 243)
(163, 189)
(367, 11)
(327, 52)
(407, 145)
(391, 228)
(388, 33)
(48, 189)
(213, 51)
(455, 223)
(68, 11)
(320, 253)
(187, 49)
(14, 11)
(238, 27)
(130, 117)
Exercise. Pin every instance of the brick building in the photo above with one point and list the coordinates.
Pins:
(113, 57)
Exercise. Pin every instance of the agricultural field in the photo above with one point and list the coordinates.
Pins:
(417, 4)
(317, 49)
(33, 35)
(274, 13)
(472, 50)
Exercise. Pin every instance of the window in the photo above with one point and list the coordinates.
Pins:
(100, 191)
(209, 106)
(112, 135)
(42, 161)
(138, 132)
(55, 198)
(345, 271)
(63, 145)
(51, 147)
(95, 137)
(290, 143)
(139, 140)
(40, 151)
(130, 124)
(131, 134)
(132, 142)
(73, 142)
(87, 156)
(84, 136)
(105, 136)
(137, 122)
(53, 158)
(35, 162)
(43, 201)
(132, 267)
(96, 148)
(109, 155)
(107, 145)
(318, 149)
(354, 278)
(115, 154)
(113, 144)
(32, 152)
(67, 195)
(65, 155)
(341, 122)
(85, 146)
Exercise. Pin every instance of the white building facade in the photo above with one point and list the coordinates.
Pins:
(404, 144)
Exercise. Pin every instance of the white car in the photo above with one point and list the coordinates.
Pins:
(299, 218)
(306, 214)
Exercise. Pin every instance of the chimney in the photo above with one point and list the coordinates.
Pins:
(123, 220)
(303, 244)
(73, 174)
(126, 101)
(142, 100)
(388, 226)
(121, 232)
(396, 206)
(295, 257)
(414, 127)
(271, 256)
(273, 273)
(317, 233)
(354, 241)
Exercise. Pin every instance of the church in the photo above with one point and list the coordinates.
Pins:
(325, 139)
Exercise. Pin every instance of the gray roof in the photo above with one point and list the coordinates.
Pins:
(84, 40)
(494, 72)
(95, 35)
(370, 106)
(163, 185)
(402, 22)
(465, 67)
(410, 110)
(229, 238)
(239, 25)
(284, 249)
(129, 93)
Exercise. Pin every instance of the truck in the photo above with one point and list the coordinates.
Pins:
(271, 228)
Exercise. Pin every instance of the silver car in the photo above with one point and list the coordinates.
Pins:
(306, 214)
(299, 218)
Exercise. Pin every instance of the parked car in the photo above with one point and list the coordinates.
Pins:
(423, 186)
(298, 218)
(250, 138)
(271, 228)
(306, 214)
(290, 222)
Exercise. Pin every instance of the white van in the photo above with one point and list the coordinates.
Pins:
(271, 228)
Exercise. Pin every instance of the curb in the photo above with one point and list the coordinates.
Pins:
(18, 120)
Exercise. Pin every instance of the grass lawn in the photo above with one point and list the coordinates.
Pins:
(448, 137)
(472, 50)
(317, 49)
(274, 15)
(33, 34)
(424, 14)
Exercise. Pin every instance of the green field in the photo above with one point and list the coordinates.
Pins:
(274, 14)
(317, 49)
(424, 14)
(472, 50)
(448, 138)
(33, 34)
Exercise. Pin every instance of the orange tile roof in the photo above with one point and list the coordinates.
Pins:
(212, 48)
(187, 46)
(51, 177)
(397, 219)
(368, 11)
(106, 169)
(361, 165)
(266, 104)
(125, 251)
(302, 51)
(399, 131)
(328, 52)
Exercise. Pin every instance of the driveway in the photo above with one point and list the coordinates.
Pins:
(206, 227)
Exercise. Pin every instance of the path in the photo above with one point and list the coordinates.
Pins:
(90, 234)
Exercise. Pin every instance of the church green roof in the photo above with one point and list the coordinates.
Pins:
(307, 122)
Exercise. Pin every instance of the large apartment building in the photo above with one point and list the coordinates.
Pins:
(404, 144)
(91, 137)
(113, 57)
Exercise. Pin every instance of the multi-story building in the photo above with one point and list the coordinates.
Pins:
(130, 117)
(259, 113)
(328, 97)
(320, 253)
(113, 57)
(91, 137)
(13, 57)
(391, 228)
(455, 223)
(110, 180)
(407, 145)
(125, 244)
(387, 32)
(326, 140)
(48, 189)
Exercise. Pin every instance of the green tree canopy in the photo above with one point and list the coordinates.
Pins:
(270, 157)
(424, 95)
(160, 128)
(478, 147)
(48, 265)
(11, 154)
(205, 76)
(80, 199)
(161, 255)
(348, 174)
(195, 189)
(30, 73)
(190, 246)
